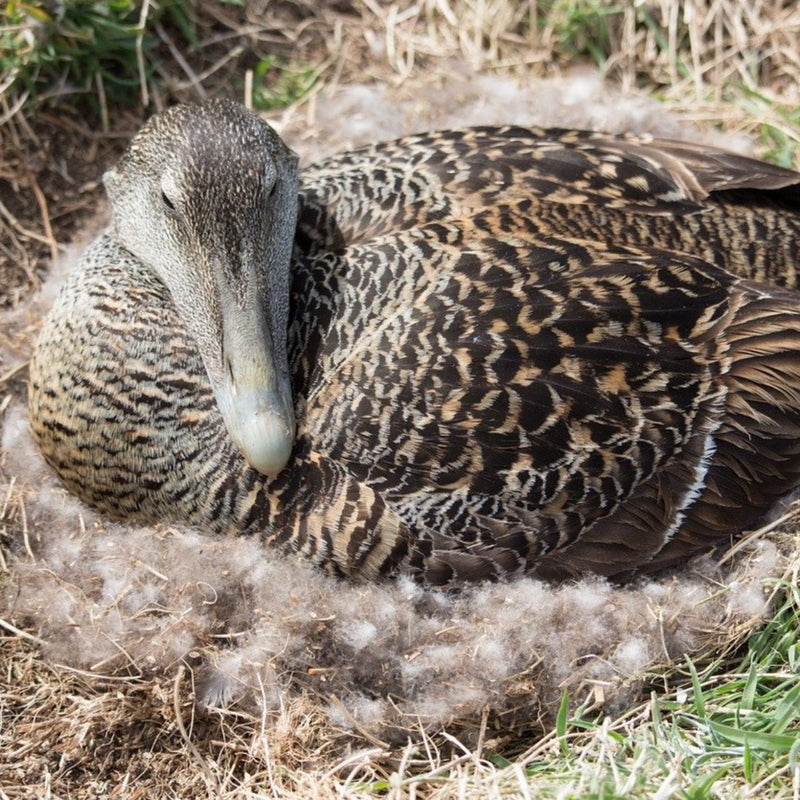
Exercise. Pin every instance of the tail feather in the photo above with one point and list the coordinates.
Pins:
(756, 465)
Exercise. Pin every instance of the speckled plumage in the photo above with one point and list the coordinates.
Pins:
(512, 350)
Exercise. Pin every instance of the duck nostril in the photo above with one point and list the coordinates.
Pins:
(229, 371)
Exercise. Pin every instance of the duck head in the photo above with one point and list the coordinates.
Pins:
(206, 198)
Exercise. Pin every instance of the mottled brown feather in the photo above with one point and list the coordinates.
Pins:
(513, 350)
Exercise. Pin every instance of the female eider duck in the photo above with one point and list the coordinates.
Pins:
(458, 355)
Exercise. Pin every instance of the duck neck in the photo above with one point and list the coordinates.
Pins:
(117, 371)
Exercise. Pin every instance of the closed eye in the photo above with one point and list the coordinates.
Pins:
(166, 201)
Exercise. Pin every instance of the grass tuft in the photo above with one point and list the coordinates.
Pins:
(89, 54)
(277, 85)
(582, 28)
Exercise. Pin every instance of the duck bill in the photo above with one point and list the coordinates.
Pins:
(255, 395)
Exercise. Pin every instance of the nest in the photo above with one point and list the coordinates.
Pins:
(153, 640)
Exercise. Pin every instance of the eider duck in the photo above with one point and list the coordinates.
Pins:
(460, 355)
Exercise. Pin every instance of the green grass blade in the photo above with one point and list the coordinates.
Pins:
(749, 692)
(787, 710)
(561, 722)
(772, 742)
(700, 788)
(699, 701)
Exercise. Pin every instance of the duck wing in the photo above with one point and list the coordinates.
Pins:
(522, 341)
(736, 212)
(392, 186)
(475, 370)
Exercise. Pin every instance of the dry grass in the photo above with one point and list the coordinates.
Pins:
(67, 734)
(727, 62)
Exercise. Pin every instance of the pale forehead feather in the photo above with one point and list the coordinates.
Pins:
(208, 143)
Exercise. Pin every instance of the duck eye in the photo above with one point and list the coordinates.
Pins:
(166, 201)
